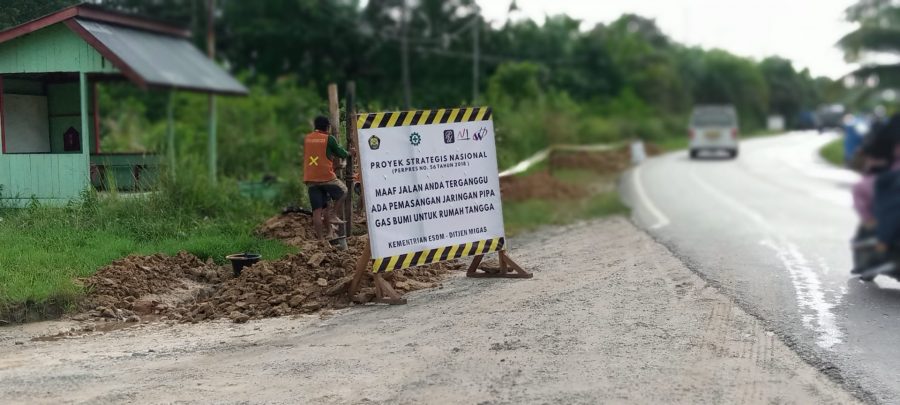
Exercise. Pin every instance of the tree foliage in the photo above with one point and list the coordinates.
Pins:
(567, 81)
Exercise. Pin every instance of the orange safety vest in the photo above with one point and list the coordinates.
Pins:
(317, 167)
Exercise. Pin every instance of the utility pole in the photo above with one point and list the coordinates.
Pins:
(404, 55)
(211, 51)
(476, 53)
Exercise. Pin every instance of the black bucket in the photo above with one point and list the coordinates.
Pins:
(241, 260)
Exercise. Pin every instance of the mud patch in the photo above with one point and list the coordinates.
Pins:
(30, 311)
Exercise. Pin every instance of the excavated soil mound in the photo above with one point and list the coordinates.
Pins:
(294, 229)
(140, 285)
(302, 283)
(185, 288)
(539, 185)
(603, 162)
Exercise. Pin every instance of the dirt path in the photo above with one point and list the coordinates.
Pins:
(610, 316)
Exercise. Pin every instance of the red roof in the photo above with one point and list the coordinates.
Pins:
(96, 13)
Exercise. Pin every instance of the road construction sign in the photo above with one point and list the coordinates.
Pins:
(431, 187)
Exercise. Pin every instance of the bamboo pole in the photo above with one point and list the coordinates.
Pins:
(350, 112)
(334, 115)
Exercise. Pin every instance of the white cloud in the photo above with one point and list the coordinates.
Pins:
(804, 31)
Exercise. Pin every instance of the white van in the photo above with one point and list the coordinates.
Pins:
(713, 128)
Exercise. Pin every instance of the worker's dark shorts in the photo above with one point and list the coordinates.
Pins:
(319, 194)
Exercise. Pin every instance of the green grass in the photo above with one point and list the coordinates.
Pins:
(576, 176)
(44, 249)
(523, 216)
(833, 152)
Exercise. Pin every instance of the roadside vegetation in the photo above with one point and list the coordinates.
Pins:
(833, 152)
(520, 217)
(550, 195)
(44, 250)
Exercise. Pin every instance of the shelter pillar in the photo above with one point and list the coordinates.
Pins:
(83, 107)
(2, 123)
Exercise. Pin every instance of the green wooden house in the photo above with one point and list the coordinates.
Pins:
(49, 117)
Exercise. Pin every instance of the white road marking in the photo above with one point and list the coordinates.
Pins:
(804, 277)
(661, 219)
(810, 293)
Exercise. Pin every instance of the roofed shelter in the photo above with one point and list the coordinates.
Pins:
(49, 67)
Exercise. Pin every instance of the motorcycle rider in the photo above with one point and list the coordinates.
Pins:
(877, 200)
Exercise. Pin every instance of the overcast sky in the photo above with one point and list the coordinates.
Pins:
(804, 31)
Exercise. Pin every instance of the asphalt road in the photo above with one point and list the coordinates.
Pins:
(771, 230)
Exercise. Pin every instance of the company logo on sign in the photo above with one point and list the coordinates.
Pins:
(463, 135)
(448, 136)
(480, 134)
(374, 142)
(415, 139)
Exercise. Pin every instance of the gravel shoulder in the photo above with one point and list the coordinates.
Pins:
(610, 316)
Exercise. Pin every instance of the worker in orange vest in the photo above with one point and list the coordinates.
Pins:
(322, 183)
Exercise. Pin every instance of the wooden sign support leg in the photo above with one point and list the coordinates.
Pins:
(361, 264)
(384, 293)
(508, 268)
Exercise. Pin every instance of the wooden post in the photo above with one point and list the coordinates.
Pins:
(334, 115)
(350, 112)
(361, 264)
(95, 104)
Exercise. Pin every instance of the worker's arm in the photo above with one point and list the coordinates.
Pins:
(335, 149)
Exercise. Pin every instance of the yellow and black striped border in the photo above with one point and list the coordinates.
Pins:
(422, 117)
(406, 260)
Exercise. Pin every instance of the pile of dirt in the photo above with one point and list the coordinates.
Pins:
(306, 282)
(294, 229)
(603, 162)
(143, 285)
(187, 289)
(539, 185)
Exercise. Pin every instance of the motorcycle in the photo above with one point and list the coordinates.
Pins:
(876, 251)
(869, 262)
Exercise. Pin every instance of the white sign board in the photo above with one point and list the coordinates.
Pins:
(431, 187)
